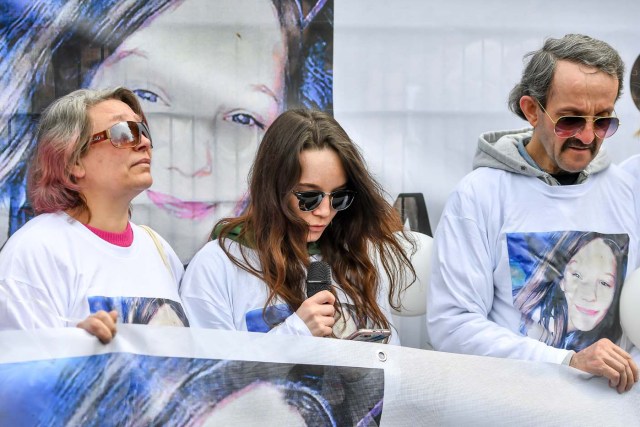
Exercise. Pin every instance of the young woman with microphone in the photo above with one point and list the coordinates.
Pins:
(311, 199)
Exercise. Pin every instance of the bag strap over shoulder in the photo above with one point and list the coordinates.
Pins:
(159, 246)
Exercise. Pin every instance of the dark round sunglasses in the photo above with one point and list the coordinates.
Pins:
(123, 134)
(310, 200)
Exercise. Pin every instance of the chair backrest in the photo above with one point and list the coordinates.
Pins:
(414, 298)
(410, 319)
(413, 212)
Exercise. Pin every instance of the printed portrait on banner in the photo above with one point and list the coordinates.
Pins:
(124, 389)
(567, 285)
(211, 76)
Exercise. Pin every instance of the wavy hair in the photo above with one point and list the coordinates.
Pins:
(357, 237)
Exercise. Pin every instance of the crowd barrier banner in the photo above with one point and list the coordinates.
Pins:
(182, 376)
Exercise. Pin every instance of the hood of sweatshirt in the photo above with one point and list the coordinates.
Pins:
(499, 150)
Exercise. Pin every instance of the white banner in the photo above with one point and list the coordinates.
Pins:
(178, 376)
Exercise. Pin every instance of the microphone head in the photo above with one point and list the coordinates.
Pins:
(318, 277)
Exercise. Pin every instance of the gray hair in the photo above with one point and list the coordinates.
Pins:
(538, 73)
(64, 134)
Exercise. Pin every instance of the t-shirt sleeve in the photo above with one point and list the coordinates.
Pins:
(33, 288)
(205, 289)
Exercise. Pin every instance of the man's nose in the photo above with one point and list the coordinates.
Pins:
(587, 134)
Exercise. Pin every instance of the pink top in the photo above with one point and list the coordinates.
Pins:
(124, 239)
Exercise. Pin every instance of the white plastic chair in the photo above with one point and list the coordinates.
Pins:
(410, 319)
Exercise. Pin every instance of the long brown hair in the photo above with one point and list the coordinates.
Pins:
(359, 237)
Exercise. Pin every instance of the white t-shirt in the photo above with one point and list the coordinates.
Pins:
(218, 294)
(55, 272)
(492, 223)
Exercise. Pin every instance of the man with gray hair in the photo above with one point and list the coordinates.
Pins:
(533, 246)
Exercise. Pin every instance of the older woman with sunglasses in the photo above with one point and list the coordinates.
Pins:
(312, 198)
(80, 261)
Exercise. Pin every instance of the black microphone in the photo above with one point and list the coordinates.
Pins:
(318, 278)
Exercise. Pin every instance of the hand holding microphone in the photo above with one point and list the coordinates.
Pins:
(317, 310)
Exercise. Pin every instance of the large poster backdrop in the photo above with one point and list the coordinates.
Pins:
(198, 377)
(415, 83)
(211, 75)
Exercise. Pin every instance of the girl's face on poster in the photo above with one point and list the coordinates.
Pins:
(589, 285)
(256, 404)
(210, 83)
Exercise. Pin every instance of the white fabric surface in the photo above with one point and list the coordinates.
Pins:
(218, 294)
(52, 265)
(420, 388)
(469, 301)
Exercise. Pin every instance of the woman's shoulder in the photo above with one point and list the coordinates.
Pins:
(212, 265)
(44, 240)
(45, 230)
(148, 232)
(219, 252)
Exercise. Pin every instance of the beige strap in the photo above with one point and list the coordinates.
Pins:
(159, 246)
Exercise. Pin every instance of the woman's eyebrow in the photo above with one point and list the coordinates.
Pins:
(262, 88)
(122, 54)
(124, 118)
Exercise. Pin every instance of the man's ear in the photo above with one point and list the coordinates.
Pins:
(529, 107)
(77, 170)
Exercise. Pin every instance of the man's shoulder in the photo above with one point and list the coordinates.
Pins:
(482, 179)
(631, 165)
(479, 190)
(629, 168)
(622, 175)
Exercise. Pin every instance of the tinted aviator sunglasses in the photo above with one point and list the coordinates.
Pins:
(568, 126)
(123, 134)
(310, 200)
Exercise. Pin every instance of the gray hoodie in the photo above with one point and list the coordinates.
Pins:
(499, 150)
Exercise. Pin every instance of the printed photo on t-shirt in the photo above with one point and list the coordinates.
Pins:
(263, 320)
(567, 285)
(140, 310)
